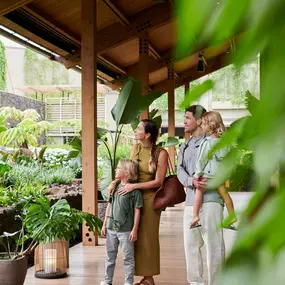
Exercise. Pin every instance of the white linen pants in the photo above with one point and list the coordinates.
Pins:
(210, 234)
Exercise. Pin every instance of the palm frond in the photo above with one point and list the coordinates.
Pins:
(31, 114)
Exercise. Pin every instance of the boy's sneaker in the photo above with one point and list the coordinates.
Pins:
(104, 283)
(127, 284)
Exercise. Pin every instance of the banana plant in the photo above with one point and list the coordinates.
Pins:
(152, 116)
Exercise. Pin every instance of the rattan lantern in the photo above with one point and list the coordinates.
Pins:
(50, 260)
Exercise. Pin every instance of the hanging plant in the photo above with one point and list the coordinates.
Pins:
(3, 67)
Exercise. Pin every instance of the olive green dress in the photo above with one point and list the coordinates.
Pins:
(147, 252)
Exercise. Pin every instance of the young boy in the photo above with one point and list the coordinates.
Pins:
(121, 222)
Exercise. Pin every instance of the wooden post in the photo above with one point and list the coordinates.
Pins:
(89, 115)
(187, 89)
(143, 67)
(171, 111)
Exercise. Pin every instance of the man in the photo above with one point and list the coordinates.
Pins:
(211, 213)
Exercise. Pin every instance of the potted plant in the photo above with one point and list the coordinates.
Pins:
(41, 223)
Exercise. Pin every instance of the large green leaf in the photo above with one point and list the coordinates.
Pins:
(126, 107)
(47, 223)
(192, 17)
(158, 121)
(170, 141)
(4, 167)
(131, 103)
(152, 116)
(106, 179)
(76, 143)
(73, 154)
(251, 102)
(196, 93)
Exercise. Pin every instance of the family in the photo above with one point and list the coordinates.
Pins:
(133, 224)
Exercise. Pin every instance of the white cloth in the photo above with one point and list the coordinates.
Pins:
(209, 234)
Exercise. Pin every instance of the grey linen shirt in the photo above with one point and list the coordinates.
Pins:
(186, 168)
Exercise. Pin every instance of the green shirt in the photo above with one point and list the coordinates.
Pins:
(121, 216)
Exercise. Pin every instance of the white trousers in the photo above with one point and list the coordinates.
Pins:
(209, 234)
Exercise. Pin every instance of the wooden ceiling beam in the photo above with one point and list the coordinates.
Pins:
(112, 64)
(192, 73)
(157, 62)
(145, 20)
(7, 6)
(116, 11)
(165, 59)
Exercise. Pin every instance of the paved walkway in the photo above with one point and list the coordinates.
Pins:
(87, 263)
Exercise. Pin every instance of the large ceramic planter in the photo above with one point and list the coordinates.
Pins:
(13, 272)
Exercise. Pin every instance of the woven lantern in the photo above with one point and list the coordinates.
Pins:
(51, 260)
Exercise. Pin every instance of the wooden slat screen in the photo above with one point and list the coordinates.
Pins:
(58, 109)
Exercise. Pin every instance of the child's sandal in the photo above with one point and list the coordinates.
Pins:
(195, 226)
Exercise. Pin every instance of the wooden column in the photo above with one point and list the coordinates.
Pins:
(171, 111)
(187, 89)
(143, 67)
(89, 115)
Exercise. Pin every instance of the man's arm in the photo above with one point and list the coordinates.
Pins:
(182, 175)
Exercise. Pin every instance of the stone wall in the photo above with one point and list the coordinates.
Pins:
(22, 103)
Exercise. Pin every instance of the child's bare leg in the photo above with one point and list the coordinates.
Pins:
(228, 202)
(197, 206)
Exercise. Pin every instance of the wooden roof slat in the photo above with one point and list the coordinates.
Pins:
(7, 6)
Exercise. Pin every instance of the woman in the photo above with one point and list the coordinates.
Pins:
(152, 170)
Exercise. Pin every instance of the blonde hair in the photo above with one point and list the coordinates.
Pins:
(215, 122)
(131, 168)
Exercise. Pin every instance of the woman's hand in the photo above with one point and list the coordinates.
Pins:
(126, 189)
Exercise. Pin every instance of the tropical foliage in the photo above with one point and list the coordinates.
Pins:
(43, 223)
(3, 67)
(23, 127)
(258, 254)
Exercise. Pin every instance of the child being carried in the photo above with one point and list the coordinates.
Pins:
(213, 125)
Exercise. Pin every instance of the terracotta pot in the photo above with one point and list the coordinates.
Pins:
(13, 272)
